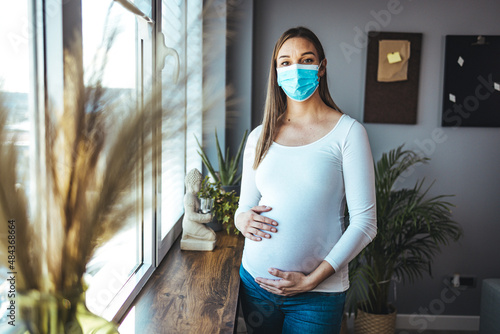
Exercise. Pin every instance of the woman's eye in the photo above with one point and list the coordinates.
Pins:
(285, 63)
(307, 61)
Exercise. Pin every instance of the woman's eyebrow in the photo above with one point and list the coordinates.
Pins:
(305, 53)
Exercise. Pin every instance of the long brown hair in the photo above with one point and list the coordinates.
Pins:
(276, 98)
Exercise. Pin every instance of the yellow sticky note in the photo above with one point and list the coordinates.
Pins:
(394, 57)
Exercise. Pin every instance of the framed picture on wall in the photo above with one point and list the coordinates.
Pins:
(392, 77)
(471, 92)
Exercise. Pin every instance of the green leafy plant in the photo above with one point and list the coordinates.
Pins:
(228, 166)
(224, 205)
(224, 208)
(208, 189)
(412, 227)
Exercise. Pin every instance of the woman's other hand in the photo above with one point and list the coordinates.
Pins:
(254, 226)
(288, 283)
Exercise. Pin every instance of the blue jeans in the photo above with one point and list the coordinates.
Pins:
(308, 312)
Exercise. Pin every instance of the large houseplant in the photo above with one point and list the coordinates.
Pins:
(412, 227)
(228, 165)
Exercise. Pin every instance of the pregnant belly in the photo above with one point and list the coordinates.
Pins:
(301, 243)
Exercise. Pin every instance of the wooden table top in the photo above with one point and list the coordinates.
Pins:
(191, 292)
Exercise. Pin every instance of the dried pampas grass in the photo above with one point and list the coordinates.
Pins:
(94, 160)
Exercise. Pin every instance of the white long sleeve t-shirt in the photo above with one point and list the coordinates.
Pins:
(307, 188)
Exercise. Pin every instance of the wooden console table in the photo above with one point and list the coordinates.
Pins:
(192, 292)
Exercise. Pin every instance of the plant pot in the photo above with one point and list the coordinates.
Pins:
(215, 225)
(206, 204)
(369, 323)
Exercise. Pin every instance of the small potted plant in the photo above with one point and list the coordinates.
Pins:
(207, 194)
(227, 174)
(224, 208)
(221, 203)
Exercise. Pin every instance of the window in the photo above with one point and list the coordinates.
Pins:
(125, 255)
(173, 94)
(181, 87)
(15, 74)
(120, 268)
(15, 80)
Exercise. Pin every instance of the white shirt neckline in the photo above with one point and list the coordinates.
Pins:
(314, 142)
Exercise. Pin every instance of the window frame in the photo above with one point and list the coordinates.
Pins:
(52, 22)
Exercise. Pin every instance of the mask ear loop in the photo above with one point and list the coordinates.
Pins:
(319, 66)
(320, 63)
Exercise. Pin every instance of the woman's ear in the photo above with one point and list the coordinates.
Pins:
(322, 68)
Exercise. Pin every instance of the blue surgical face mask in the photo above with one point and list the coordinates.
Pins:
(298, 81)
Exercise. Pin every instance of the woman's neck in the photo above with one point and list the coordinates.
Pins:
(309, 110)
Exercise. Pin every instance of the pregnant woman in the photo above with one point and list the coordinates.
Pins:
(300, 168)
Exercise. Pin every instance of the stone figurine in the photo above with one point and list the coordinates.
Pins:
(195, 235)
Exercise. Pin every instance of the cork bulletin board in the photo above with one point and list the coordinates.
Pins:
(392, 77)
(471, 89)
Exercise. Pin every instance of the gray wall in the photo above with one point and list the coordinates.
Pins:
(464, 161)
(214, 77)
(239, 71)
(228, 30)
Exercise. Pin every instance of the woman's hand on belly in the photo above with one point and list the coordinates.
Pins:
(290, 283)
(255, 226)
